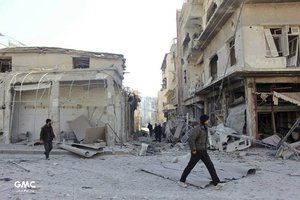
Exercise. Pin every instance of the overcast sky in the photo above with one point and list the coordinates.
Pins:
(141, 30)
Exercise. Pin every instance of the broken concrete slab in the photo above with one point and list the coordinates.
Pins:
(238, 145)
(79, 126)
(286, 150)
(236, 118)
(82, 152)
(143, 149)
(94, 134)
(96, 146)
(178, 130)
(226, 139)
(199, 176)
(272, 140)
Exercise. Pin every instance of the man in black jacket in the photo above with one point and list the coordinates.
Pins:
(46, 137)
(198, 145)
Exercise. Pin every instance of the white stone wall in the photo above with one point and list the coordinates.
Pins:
(72, 93)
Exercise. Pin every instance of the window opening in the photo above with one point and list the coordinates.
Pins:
(81, 62)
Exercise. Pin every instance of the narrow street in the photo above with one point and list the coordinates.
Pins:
(120, 177)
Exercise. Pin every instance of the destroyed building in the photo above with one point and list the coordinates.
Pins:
(166, 95)
(72, 87)
(238, 61)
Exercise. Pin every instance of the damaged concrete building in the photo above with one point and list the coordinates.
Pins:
(238, 61)
(65, 85)
(166, 96)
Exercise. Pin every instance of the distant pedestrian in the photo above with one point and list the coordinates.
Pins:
(150, 127)
(198, 145)
(46, 137)
(157, 132)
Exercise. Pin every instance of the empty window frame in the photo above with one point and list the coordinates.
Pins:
(282, 41)
(5, 65)
(213, 64)
(81, 62)
(232, 52)
(164, 84)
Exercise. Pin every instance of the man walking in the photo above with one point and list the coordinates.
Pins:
(150, 127)
(46, 137)
(158, 132)
(198, 145)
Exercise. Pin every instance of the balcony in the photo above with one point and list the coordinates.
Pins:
(222, 13)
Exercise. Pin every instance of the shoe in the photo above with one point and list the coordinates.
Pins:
(47, 158)
(219, 186)
(182, 184)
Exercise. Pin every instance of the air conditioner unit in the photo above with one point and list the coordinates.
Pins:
(295, 30)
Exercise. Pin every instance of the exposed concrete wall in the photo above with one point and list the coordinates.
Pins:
(30, 61)
(85, 101)
(257, 16)
(170, 72)
(95, 93)
(220, 47)
(271, 14)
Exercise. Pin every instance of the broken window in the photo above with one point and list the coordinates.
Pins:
(5, 65)
(81, 62)
(186, 40)
(165, 83)
(213, 66)
(283, 42)
(232, 52)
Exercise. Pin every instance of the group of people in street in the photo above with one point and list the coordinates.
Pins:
(158, 131)
(198, 142)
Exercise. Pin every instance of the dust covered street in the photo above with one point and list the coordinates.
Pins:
(120, 177)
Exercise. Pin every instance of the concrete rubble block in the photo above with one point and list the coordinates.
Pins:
(85, 152)
(79, 126)
(226, 139)
(238, 145)
(286, 151)
(93, 135)
(272, 140)
(143, 149)
(178, 130)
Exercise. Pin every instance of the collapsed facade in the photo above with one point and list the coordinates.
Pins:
(62, 84)
(238, 61)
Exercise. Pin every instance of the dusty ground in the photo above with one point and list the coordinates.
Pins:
(120, 177)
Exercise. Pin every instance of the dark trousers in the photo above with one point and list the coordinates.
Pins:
(203, 155)
(48, 147)
(158, 137)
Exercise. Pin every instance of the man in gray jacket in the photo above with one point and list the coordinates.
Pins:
(198, 144)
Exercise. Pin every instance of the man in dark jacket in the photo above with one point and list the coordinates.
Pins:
(198, 144)
(150, 127)
(158, 132)
(46, 137)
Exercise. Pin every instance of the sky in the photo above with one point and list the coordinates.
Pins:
(141, 30)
